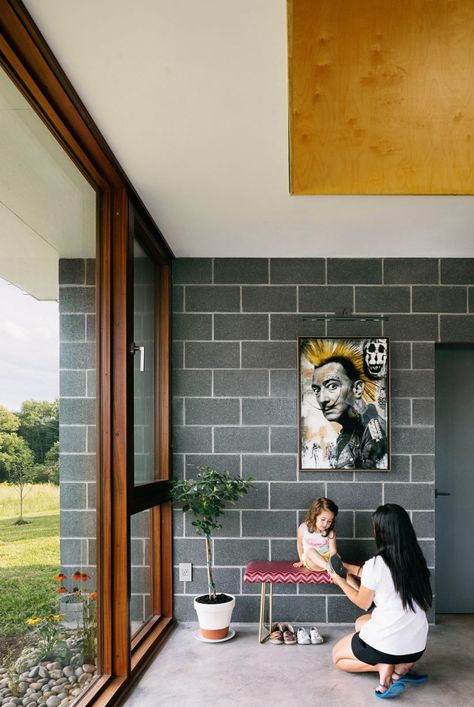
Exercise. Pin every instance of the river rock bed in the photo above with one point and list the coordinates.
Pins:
(48, 683)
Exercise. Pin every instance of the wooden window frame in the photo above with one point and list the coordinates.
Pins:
(28, 61)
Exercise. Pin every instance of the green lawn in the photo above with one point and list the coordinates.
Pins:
(29, 559)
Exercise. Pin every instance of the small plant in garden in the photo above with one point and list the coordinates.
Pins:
(206, 498)
(49, 637)
(86, 630)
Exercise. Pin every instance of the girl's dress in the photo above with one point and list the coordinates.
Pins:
(315, 541)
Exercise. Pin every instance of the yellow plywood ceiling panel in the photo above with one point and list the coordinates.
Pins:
(381, 96)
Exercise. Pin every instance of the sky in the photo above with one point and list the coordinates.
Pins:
(29, 348)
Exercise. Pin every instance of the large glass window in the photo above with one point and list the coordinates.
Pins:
(48, 306)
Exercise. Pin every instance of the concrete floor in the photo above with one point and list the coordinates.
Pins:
(243, 673)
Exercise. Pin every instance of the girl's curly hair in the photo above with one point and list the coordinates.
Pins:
(316, 508)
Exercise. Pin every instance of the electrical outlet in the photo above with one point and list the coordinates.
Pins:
(185, 572)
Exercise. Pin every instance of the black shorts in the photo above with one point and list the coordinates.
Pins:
(371, 656)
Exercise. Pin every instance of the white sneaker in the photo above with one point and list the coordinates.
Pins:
(303, 637)
(315, 636)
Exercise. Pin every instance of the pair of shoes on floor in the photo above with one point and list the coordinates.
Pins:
(283, 633)
(336, 566)
(311, 637)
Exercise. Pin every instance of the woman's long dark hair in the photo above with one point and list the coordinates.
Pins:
(397, 545)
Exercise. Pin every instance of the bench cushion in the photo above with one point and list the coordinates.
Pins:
(282, 571)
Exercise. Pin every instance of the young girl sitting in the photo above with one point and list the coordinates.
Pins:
(316, 542)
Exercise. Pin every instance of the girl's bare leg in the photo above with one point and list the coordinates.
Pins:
(315, 560)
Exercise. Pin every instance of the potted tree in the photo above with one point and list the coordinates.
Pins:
(206, 497)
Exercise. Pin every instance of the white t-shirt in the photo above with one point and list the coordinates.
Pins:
(392, 629)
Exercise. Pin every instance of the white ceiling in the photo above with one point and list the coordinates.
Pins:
(191, 95)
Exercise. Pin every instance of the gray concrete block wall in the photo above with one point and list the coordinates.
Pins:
(235, 386)
(77, 417)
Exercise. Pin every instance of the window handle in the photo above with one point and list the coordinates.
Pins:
(133, 350)
(441, 493)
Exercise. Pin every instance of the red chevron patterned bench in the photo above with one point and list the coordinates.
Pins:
(277, 571)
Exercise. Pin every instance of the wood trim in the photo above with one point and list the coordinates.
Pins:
(120, 447)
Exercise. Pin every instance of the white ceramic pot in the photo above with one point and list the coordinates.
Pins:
(214, 619)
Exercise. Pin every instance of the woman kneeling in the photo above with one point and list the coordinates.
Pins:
(393, 637)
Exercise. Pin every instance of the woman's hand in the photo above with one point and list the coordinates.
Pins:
(335, 578)
(298, 564)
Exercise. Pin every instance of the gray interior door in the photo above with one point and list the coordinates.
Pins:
(454, 476)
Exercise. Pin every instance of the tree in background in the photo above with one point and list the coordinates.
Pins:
(39, 426)
(17, 460)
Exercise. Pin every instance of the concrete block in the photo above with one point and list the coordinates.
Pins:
(457, 271)
(282, 549)
(271, 467)
(405, 271)
(76, 300)
(177, 298)
(424, 524)
(75, 467)
(382, 299)
(268, 411)
(293, 496)
(283, 440)
(298, 271)
(364, 524)
(192, 270)
(192, 439)
(257, 497)
(240, 383)
(73, 496)
(355, 496)
(192, 326)
(340, 611)
(325, 299)
(221, 462)
(457, 328)
(423, 355)
(423, 411)
(212, 355)
(77, 355)
(300, 609)
(239, 552)
(412, 440)
(77, 411)
(91, 327)
(189, 550)
(272, 524)
(227, 581)
(72, 327)
(269, 355)
(279, 298)
(240, 439)
(399, 470)
(413, 384)
(91, 384)
(412, 327)
(287, 327)
(191, 382)
(90, 264)
(210, 411)
(177, 466)
(423, 467)
(230, 523)
(439, 299)
(241, 326)
(283, 384)
(401, 411)
(410, 496)
(79, 523)
(72, 271)
(241, 270)
(72, 383)
(72, 438)
(400, 355)
(177, 354)
(354, 328)
(200, 298)
(367, 271)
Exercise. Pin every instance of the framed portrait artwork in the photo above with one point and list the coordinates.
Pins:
(344, 403)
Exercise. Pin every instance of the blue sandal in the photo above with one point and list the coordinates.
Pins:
(411, 677)
(394, 690)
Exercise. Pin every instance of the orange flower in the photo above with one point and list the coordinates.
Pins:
(93, 596)
(61, 590)
(60, 577)
(84, 577)
(77, 576)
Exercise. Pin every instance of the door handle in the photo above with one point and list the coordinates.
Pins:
(133, 350)
(441, 493)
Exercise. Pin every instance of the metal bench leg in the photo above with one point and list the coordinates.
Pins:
(264, 630)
